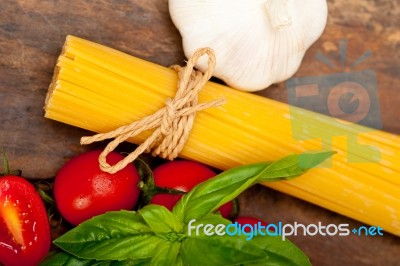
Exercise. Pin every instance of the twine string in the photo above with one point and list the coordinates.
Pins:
(172, 123)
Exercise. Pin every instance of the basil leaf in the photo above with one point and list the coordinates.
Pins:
(179, 260)
(112, 236)
(167, 254)
(66, 259)
(275, 251)
(279, 252)
(160, 219)
(196, 227)
(217, 250)
(210, 195)
(293, 166)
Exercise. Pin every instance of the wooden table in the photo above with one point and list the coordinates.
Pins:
(32, 33)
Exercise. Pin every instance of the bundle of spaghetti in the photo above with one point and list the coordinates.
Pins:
(100, 89)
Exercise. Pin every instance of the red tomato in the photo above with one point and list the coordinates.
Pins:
(24, 226)
(82, 190)
(182, 175)
(226, 210)
(249, 220)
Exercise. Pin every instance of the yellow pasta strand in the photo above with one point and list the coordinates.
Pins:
(99, 89)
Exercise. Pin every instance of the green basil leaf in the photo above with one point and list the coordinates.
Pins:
(279, 252)
(211, 218)
(160, 219)
(275, 250)
(218, 250)
(66, 259)
(208, 196)
(179, 260)
(293, 166)
(167, 254)
(112, 236)
(196, 227)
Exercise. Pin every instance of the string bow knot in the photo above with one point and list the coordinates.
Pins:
(172, 123)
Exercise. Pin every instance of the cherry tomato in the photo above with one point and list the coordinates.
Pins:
(226, 210)
(24, 225)
(82, 190)
(249, 220)
(183, 175)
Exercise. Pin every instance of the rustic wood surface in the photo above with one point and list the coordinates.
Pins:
(32, 33)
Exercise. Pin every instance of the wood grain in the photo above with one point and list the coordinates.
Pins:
(32, 33)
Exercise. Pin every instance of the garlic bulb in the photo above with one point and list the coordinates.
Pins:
(256, 42)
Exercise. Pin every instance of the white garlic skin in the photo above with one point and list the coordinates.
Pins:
(256, 42)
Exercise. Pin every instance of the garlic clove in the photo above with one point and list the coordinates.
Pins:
(256, 42)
